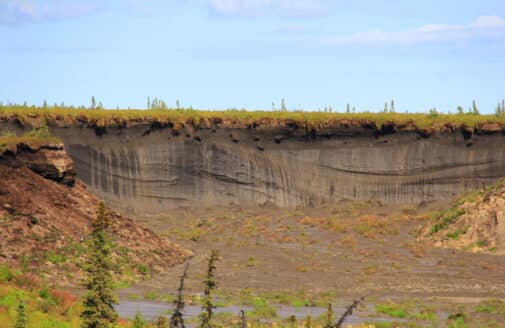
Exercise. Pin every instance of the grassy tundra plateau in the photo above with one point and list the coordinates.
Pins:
(429, 264)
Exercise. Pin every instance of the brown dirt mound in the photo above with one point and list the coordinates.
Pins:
(43, 225)
(475, 223)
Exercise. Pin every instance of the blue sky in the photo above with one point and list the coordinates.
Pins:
(250, 53)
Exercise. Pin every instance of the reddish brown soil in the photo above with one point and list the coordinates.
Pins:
(40, 216)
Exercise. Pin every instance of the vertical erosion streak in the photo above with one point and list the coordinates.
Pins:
(152, 177)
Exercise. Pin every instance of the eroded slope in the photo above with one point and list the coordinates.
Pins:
(476, 223)
(45, 216)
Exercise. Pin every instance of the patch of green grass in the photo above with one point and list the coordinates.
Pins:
(245, 297)
(486, 308)
(251, 261)
(457, 320)
(169, 298)
(425, 315)
(5, 273)
(121, 284)
(295, 299)
(393, 310)
(144, 270)
(491, 306)
(447, 218)
(12, 299)
(55, 258)
(151, 296)
(34, 138)
(134, 297)
(469, 197)
(455, 234)
(262, 309)
(481, 243)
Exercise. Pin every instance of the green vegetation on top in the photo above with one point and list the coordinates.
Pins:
(96, 113)
(36, 137)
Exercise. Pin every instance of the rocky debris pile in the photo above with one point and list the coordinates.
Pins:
(475, 223)
(46, 215)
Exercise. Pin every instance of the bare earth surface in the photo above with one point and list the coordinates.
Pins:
(334, 254)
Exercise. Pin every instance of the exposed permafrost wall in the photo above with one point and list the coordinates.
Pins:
(149, 171)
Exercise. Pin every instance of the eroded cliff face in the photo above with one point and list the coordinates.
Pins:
(149, 169)
(43, 208)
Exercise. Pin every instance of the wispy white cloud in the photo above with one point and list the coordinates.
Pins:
(30, 11)
(483, 28)
(252, 8)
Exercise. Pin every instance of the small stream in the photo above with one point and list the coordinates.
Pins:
(151, 310)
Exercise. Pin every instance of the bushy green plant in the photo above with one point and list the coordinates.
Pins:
(138, 320)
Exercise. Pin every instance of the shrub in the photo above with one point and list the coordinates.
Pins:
(5, 273)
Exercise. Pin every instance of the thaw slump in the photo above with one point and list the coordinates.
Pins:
(152, 173)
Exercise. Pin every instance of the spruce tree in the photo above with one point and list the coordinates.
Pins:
(329, 317)
(138, 320)
(209, 285)
(93, 102)
(348, 109)
(99, 300)
(21, 320)
(385, 107)
(392, 106)
(162, 322)
(177, 320)
(475, 110)
(283, 106)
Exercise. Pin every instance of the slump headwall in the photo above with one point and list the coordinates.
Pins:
(151, 171)
(151, 168)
